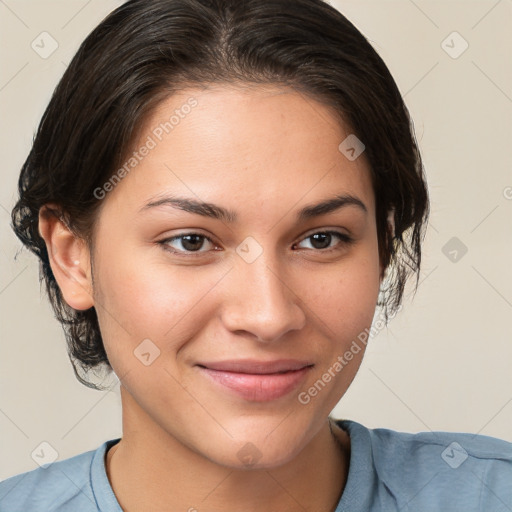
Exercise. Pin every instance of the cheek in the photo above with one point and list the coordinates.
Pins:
(344, 307)
(157, 301)
(347, 295)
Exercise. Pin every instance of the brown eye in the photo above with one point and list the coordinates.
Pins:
(190, 243)
(322, 240)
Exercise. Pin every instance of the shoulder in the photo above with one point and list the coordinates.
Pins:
(464, 471)
(453, 447)
(61, 486)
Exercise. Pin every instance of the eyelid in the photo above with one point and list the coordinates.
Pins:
(314, 231)
(165, 241)
(345, 239)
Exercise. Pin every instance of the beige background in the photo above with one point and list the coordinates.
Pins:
(443, 364)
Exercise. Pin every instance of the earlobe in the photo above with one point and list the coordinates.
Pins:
(69, 258)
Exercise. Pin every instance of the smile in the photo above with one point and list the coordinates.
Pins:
(257, 381)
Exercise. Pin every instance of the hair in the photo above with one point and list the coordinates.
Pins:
(146, 50)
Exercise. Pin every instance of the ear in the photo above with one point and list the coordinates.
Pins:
(391, 222)
(391, 230)
(69, 258)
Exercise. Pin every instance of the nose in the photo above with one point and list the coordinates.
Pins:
(262, 302)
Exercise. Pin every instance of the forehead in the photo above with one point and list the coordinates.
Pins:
(259, 144)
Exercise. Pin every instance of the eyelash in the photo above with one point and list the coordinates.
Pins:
(344, 240)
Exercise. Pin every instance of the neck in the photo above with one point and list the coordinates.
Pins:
(151, 470)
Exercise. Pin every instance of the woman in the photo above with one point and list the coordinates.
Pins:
(220, 193)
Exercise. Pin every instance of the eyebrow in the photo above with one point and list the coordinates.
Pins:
(229, 216)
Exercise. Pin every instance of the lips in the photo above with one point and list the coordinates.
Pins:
(256, 367)
(257, 381)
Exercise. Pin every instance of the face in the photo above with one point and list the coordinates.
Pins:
(219, 320)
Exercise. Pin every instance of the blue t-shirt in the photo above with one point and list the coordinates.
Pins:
(389, 471)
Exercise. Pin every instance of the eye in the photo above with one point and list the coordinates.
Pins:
(321, 240)
(190, 243)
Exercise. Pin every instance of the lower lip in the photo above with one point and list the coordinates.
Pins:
(257, 387)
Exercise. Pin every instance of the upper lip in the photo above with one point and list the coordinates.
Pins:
(256, 367)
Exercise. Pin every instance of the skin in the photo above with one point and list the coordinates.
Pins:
(264, 153)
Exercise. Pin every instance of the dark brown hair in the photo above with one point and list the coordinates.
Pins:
(147, 49)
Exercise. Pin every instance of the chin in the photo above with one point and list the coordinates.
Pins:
(249, 457)
(256, 449)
